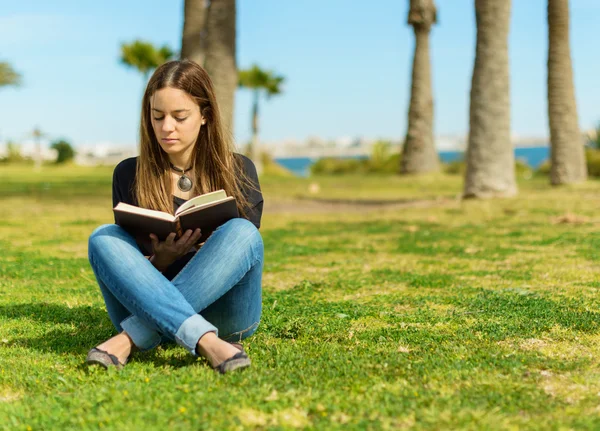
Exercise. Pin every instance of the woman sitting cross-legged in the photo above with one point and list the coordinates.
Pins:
(207, 297)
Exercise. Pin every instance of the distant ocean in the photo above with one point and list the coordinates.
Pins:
(533, 156)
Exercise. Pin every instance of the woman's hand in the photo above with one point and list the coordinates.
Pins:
(168, 251)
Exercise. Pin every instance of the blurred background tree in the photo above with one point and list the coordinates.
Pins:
(259, 81)
(144, 57)
(418, 153)
(37, 135)
(567, 155)
(220, 56)
(209, 39)
(193, 39)
(490, 156)
(8, 76)
(13, 154)
(64, 151)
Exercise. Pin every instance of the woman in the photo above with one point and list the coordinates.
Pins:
(206, 298)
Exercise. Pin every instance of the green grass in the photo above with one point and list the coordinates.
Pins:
(455, 315)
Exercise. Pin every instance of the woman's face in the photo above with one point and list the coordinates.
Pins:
(176, 121)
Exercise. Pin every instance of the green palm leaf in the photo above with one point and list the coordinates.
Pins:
(8, 76)
(144, 56)
(257, 79)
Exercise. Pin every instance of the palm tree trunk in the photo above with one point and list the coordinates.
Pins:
(490, 156)
(255, 149)
(193, 39)
(419, 154)
(220, 60)
(37, 136)
(566, 143)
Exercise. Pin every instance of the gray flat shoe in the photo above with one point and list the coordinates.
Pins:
(100, 357)
(238, 361)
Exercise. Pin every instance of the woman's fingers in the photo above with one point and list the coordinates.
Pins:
(192, 239)
(154, 240)
(185, 237)
(179, 246)
(182, 243)
(196, 236)
(170, 239)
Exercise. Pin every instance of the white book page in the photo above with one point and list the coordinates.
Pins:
(201, 200)
(123, 207)
(206, 205)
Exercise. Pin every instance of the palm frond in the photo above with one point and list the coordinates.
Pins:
(144, 56)
(256, 78)
(8, 76)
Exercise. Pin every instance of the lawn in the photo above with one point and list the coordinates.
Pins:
(445, 314)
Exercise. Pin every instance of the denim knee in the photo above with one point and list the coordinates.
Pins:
(244, 232)
(100, 231)
(240, 225)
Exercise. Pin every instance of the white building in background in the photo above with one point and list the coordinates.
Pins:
(87, 155)
(450, 143)
(103, 154)
(316, 147)
(348, 147)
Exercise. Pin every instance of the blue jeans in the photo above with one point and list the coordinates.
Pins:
(218, 290)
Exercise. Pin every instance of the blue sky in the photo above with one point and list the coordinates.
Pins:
(347, 66)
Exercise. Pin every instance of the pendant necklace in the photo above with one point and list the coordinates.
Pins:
(184, 183)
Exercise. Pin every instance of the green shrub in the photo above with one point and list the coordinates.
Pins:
(14, 154)
(544, 168)
(64, 151)
(592, 159)
(269, 165)
(380, 154)
(457, 167)
(390, 165)
(595, 138)
(522, 169)
(335, 166)
(272, 168)
(381, 161)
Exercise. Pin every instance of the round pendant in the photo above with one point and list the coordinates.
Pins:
(184, 184)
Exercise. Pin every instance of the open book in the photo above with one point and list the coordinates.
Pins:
(207, 212)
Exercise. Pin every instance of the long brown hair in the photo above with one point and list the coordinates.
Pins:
(213, 162)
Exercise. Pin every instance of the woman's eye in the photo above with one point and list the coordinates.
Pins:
(176, 119)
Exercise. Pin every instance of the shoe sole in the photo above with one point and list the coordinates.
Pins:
(99, 358)
(234, 364)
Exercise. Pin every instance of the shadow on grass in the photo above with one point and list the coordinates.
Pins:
(55, 313)
(86, 324)
(89, 327)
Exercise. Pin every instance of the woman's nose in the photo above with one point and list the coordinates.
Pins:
(168, 124)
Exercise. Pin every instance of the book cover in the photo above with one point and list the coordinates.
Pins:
(209, 217)
(206, 212)
(141, 224)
